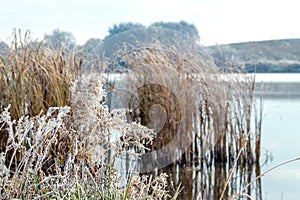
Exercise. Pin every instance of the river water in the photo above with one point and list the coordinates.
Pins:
(281, 134)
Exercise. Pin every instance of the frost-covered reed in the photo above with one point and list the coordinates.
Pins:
(56, 132)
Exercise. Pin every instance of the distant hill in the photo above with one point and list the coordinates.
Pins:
(261, 56)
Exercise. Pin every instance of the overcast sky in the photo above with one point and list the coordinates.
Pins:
(218, 21)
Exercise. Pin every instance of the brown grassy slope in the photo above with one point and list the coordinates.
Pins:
(262, 56)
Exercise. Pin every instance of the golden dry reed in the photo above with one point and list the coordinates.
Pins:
(209, 111)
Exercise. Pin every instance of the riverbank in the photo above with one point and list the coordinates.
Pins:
(281, 85)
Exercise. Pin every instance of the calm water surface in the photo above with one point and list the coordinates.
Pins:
(281, 137)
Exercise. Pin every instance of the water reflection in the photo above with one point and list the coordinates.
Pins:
(207, 180)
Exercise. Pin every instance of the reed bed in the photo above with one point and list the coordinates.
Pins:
(205, 117)
(35, 76)
(214, 108)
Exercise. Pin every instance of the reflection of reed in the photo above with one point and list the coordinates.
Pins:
(207, 181)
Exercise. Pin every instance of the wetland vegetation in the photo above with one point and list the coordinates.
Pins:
(183, 130)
